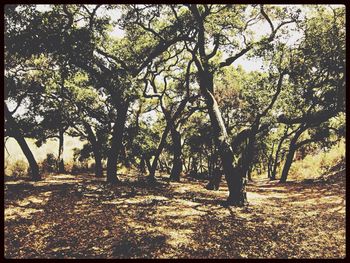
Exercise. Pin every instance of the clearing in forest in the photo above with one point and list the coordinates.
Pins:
(67, 216)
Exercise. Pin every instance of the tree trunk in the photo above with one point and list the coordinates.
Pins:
(288, 163)
(275, 161)
(148, 163)
(17, 134)
(249, 175)
(98, 163)
(142, 165)
(194, 166)
(290, 155)
(235, 177)
(60, 151)
(96, 148)
(177, 159)
(159, 150)
(116, 143)
(215, 174)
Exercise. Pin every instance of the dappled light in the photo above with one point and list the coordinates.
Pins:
(295, 221)
(174, 131)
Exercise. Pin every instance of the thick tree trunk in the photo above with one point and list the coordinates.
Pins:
(60, 151)
(288, 163)
(177, 159)
(116, 143)
(96, 148)
(16, 133)
(30, 157)
(235, 177)
(98, 162)
(290, 155)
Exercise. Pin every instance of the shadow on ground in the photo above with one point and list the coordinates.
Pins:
(67, 216)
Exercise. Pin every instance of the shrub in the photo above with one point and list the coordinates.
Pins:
(19, 169)
(49, 164)
(80, 167)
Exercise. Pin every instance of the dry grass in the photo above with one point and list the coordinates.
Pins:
(314, 166)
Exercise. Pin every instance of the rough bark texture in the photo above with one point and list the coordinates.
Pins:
(16, 133)
(177, 159)
(116, 144)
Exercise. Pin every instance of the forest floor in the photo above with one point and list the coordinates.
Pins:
(66, 216)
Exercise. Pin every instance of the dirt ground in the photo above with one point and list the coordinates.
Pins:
(66, 216)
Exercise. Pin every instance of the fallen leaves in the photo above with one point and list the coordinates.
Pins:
(89, 219)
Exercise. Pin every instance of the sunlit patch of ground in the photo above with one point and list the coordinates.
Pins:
(67, 216)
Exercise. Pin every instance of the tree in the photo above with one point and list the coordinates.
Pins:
(318, 79)
(213, 32)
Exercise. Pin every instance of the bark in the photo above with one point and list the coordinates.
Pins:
(142, 165)
(275, 162)
(159, 150)
(16, 133)
(60, 162)
(148, 163)
(96, 148)
(116, 143)
(288, 163)
(235, 176)
(98, 162)
(215, 178)
(249, 175)
(200, 163)
(60, 151)
(289, 159)
(270, 163)
(177, 153)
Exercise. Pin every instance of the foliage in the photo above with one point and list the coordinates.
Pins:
(19, 169)
(49, 164)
